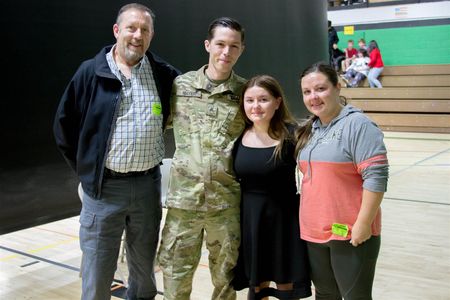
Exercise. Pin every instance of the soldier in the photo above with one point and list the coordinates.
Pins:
(203, 195)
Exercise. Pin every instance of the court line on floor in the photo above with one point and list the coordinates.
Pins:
(36, 250)
(50, 261)
(41, 259)
(416, 138)
(419, 162)
(55, 231)
(29, 264)
(417, 201)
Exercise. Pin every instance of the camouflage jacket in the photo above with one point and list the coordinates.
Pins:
(206, 122)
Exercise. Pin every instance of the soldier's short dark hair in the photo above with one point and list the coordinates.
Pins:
(225, 22)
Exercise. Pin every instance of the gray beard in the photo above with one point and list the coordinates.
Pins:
(132, 56)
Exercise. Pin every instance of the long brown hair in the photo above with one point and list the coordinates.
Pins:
(303, 133)
(278, 128)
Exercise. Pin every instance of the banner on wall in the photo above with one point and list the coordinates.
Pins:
(349, 30)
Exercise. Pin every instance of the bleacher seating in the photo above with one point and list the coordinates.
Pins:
(334, 3)
(380, 1)
(413, 98)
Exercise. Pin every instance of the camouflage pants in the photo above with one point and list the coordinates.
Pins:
(180, 250)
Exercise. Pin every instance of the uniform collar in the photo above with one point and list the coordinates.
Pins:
(201, 82)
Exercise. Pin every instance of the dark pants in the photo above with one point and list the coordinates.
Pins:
(340, 270)
(131, 204)
(336, 63)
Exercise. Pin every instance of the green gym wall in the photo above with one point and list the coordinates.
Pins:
(406, 45)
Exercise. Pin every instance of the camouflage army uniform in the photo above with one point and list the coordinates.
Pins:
(203, 193)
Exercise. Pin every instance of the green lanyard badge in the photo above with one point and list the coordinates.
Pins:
(339, 229)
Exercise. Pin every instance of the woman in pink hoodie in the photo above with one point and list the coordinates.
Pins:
(343, 173)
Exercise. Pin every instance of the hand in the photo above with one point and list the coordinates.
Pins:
(361, 232)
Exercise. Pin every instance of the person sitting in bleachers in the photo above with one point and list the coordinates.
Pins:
(350, 54)
(376, 65)
(362, 44)
(337, 56)
(358, 70)
(352, 2)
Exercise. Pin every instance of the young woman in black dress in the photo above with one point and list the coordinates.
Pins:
(272, 257)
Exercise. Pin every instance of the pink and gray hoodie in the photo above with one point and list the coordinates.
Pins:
(340, 160)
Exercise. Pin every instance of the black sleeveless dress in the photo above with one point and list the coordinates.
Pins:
(271, 248)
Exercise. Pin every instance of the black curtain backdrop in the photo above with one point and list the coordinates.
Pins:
(45, 41)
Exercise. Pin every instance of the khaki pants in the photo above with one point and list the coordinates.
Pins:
(180, 250)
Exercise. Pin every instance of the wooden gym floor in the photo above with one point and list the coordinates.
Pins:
(43, 262)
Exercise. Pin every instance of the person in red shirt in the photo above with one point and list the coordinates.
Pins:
(350, 54)
(376, 65)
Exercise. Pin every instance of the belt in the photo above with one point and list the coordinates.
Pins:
(113, 174)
